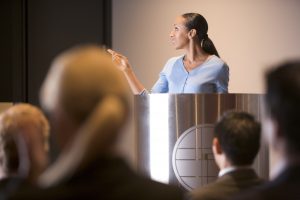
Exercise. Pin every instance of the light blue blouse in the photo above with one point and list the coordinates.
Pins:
(212, 76)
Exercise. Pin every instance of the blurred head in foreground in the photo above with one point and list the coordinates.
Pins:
(86, 99)
(24, 134)
(281, 122)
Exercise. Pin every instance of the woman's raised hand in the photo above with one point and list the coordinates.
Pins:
(122, 64)
(119, 60)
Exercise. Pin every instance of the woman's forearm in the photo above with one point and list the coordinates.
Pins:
(135, 85)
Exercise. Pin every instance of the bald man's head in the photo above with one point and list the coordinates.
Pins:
(79, 79)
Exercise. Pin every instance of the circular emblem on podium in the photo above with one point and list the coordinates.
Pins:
(192, 158)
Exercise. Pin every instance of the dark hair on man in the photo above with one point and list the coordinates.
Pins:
(283, 101)
(199, 23)
(239, 136)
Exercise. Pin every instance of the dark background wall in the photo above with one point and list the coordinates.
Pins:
(33, 32)
(5, 51)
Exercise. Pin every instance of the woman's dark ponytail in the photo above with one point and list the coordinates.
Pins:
(209, 47)
(199, 23)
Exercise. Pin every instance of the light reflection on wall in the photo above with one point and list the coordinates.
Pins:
(159, 138)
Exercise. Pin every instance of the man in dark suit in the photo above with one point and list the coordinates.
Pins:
(235, 145)
(86, 98)
(281, 128)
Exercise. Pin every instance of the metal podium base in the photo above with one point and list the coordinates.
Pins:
(175, 135)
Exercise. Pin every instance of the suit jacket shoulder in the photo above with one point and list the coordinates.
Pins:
(285, 186)
(228, 185)
(106, 178)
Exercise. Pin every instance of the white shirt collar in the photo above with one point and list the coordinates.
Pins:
(232, 168)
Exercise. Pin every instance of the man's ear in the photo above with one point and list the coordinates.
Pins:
(216, 146)
(270, 129)
(272, 132)
(192, 33)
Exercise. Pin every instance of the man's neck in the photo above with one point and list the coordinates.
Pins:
(280, 161)
(3, 175)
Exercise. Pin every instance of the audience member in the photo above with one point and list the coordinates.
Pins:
(23, 145)
(281, 128)
(86, 98)
(235, 145)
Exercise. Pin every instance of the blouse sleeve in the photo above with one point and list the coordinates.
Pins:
(161, 85)
(223, 79)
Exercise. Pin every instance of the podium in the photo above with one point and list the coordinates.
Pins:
(175, 132)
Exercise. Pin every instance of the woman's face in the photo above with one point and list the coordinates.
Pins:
(179, 34)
